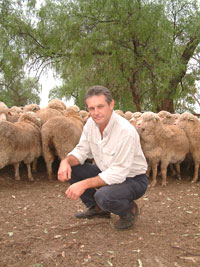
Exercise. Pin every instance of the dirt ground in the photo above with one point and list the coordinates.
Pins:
(38, 227)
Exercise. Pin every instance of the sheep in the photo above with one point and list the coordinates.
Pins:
(136, 115)
(84, 115)
(120, 112)
(133, 122)
(128, 115)
(20, 141)
(31, 107)
(191, 125)
(74, 107)
(60, 135)
(3, 111)
(166, 117)
(44, 114)
(13, 116)
(56, 104)
(161, 143)
(15, 109)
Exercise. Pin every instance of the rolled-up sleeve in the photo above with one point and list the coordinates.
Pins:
(82, 150)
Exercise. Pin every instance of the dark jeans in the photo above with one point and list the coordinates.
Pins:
(116, 198)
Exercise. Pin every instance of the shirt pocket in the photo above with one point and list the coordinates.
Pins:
(108, 155)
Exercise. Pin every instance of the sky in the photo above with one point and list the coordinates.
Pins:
(48, 81)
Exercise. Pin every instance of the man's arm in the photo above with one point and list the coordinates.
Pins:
(77, 189)
(64, 171)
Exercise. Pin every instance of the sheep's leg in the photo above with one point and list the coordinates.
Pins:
(178, 170)
(16, 168)
(154, 173)
(34, 166)
(30, 177)
(164, 173)
(149, 169)
(49, 169)
(172, 169)
(196, 171)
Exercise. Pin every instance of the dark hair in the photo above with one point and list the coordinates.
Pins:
(99, 90)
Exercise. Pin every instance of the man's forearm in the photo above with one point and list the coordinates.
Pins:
(94, 182)
(72, 160)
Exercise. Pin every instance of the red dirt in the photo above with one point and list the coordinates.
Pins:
(38, 227)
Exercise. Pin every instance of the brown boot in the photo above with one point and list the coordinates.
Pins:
(92, 212)
(127, 221)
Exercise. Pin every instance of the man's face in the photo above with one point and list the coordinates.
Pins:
(100, 110)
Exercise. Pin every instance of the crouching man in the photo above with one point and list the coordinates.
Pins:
(118, 176)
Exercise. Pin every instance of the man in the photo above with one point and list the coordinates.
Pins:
(118, 176)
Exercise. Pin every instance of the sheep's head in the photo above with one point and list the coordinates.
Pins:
(148, 123)
(187, 121)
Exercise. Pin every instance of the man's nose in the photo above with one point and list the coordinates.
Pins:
(96, 111)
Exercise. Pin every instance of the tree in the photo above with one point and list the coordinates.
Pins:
(15, 87)
(140, 49)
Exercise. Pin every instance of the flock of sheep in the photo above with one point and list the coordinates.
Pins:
(29, 132)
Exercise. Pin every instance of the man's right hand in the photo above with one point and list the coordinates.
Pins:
(64, 171)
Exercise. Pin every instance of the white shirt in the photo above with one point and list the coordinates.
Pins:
(118, 155)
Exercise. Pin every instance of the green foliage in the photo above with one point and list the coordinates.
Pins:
(140, 50)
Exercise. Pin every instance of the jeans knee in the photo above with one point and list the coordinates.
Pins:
(101, 199)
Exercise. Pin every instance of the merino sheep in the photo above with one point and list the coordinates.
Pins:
(44, 114)
(120, 112)
(161, 143)
(74, 108)
(3, 111)
(128, 115)
(20, 141)
(136, 115)
(56, 104)
(166, 117)
(60, 135)
(31, 107)
(191, 125)
(15, 109)
(84, 115)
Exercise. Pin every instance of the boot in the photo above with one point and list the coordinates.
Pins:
(92, 212)
(127, 221)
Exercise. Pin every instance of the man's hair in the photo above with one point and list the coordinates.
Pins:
(99, 90)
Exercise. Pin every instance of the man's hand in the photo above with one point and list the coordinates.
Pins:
(64, 171)
(76, 190)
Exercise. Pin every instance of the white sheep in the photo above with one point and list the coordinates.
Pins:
(191, 125)
(3, 111)
(60, 135)
(166, 117)
(161, 143)
(20, 141)
(57, 104)
(31, 107)
(44, 114)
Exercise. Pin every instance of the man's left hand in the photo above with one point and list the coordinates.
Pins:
(75, 190)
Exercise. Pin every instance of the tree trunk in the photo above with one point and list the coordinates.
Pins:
(166, 104)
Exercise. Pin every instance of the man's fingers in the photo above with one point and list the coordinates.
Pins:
(70, 194)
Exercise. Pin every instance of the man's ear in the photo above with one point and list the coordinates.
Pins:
(112, 103)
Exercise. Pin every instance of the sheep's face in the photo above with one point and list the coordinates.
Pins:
(148, 124)
(187, 121)
(166, 117)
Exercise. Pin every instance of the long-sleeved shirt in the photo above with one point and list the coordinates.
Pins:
(118, 154)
